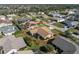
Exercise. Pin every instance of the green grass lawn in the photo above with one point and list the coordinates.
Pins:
(56, 31)
(72, 30)
(41, 25)
(19, 34)
(1, 36)
(59, 25)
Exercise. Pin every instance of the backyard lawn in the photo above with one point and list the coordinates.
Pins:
(19, 33)
(72, 30)
(1, 36)
(41, 25)
(59, 25)
(57, 31)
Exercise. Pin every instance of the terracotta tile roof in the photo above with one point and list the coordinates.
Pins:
(42, 31)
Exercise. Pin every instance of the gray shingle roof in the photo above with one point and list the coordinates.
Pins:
(10, 42)
(23, 20)
(64, 45)
(8, 29)
(71, 23)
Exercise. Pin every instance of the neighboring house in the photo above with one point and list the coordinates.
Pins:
(66, 46)
(71, 23)
(6, 26)
(9, 43)
(56, 14)
(32, 13)
(23, 20)
(41, 13)
(77, 14)
(8, 30)
(71, 18)
(57, 19)
(71, 12)
(5, 22)
(2, 17)
(43, 32)
(29, 25)
(11, 16)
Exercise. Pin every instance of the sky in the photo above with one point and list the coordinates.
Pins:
(39, 2)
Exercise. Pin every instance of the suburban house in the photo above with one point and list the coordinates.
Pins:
(65, 45)
(70, 12)
(2, 17)
(43, 32)
(8, 30)
(32, 13)
(23, 20)
(54, 14)
(58, 19)
(41, 13)
(33, 24)
(11, 16)
(57, 14)
(77, 14)
(5, 22)
(71, 18)
(70, 23)
(29, 25)
(74, 12)
(6, 26)
(9, 44)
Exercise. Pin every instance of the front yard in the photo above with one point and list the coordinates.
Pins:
(57, 32)
(41, 25)
(72, 30)
(59, 25)
(20, 33)
(1, 36)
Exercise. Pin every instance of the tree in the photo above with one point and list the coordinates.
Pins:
(2, 33)
(50, 48)
(68, 33)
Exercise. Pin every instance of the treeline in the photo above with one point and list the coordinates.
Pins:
(18, 9)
